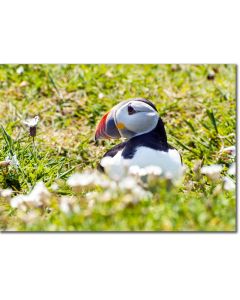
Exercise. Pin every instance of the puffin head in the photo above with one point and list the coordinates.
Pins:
(128, 119)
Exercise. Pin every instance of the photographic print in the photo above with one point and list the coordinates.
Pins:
(134, 148)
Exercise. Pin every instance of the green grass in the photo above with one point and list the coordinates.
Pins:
(200, 119)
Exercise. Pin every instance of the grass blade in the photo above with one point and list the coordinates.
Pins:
(186, 147)
(213, 120)
(8, 139)
(190, 125)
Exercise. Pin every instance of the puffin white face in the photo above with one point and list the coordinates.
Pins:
(128, 119)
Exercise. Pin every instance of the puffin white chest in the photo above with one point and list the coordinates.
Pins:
(169, 162)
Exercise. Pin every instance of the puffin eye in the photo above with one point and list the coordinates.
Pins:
(131, 110)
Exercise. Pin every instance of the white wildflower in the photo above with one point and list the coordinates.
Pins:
(128, 183)
(32, 122)
(6, 193)
(212, 171)
(102, 181)
(136, 170)
(13, 161)
(140, 193)
(232, 169)
(231, 150)
(91, 203)
(100, 95)
(229, 184)
(30, 217)
(76, 208)
(54, 187)
(40, 194)
(113, 186)
(84, 179)
(38, 197)
(87, 179)
(92, 195)
(127, 199)
(107, 196)
(153, 170)
(16, 202)
(68, 204)
(20, 70)
(65, 205)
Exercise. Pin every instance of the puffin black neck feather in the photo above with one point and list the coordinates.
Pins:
(157, 134)
(155, 139)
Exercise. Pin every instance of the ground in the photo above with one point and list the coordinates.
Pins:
(197, 104)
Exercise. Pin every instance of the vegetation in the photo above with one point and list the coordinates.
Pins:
(197, 104)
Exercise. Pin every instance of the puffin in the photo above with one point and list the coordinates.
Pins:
(145, 143)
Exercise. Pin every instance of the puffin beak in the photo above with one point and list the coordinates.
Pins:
(107, 129)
